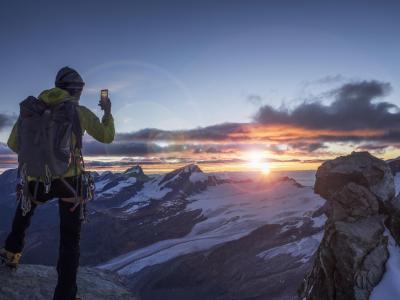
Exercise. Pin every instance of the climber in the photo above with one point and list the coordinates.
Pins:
(48, 139)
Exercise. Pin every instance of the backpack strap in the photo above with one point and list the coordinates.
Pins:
(77, 127)
(74, 118)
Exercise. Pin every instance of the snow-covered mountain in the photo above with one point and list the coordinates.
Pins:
(229, 212)
(190, 235)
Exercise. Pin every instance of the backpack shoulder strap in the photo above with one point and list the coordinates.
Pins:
(71, 109)
(77, 127)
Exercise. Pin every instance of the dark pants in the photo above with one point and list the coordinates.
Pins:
(70, 229)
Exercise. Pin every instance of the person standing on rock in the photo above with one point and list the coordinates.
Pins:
(48, 140)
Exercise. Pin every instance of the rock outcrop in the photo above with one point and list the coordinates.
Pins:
(394, 165)
(350, 261)
(34, 282)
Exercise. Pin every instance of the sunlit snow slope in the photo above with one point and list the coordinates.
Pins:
(231, 210)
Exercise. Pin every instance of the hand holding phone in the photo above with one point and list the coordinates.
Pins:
(105, 102)
(103, 96)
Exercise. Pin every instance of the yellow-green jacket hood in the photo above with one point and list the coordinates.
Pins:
(54, 96)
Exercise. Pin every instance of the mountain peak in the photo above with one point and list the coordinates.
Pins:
(137, 172)
(136, 169)
(189, 174)
(191, 168)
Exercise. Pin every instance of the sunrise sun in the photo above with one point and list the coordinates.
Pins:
(256, 161)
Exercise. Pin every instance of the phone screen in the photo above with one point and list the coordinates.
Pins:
(104, 95)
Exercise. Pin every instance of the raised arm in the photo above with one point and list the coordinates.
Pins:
(103, 131)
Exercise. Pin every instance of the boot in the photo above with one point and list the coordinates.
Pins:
(9, 259)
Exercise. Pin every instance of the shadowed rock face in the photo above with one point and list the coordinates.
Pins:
(350, 261)
(31, 282)
(394, 165)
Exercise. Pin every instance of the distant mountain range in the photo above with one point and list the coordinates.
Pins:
(187, 234)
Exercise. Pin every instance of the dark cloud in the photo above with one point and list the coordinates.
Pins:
(391, 136)
(213, 149)
(308, 147)
(276, 149)
(6, 120)
(219, 161)
(216, 132)
(119, 163)
(353, 108)
(313, 161)
(356, 115)
(144, 148)
(373, 147)
(129, 148)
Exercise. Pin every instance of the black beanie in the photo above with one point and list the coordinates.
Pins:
(68, 78)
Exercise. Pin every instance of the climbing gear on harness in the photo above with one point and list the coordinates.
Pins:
(23, 193)
(84, 182)
(9, 259)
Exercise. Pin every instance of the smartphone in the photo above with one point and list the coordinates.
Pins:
(104, 95)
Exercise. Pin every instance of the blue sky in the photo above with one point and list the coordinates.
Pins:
(183, 64)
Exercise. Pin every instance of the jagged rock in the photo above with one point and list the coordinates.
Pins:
(394, 165)
(36, 282)
(361, 168)
(137, 172)
(350, 261)
(188, 179)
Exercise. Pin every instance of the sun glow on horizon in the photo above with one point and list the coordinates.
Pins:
(265, 168)
(257, 162)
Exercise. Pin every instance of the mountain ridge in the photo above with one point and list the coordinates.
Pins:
(168, 222)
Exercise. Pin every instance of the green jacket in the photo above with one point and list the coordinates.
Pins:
(103, 131)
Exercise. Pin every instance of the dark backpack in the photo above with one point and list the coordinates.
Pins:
(44, 137)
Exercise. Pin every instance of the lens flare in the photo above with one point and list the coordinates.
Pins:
(256, 161)
(265, 168)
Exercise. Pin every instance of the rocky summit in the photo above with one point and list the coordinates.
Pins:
(35, 282)
(361, 210)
